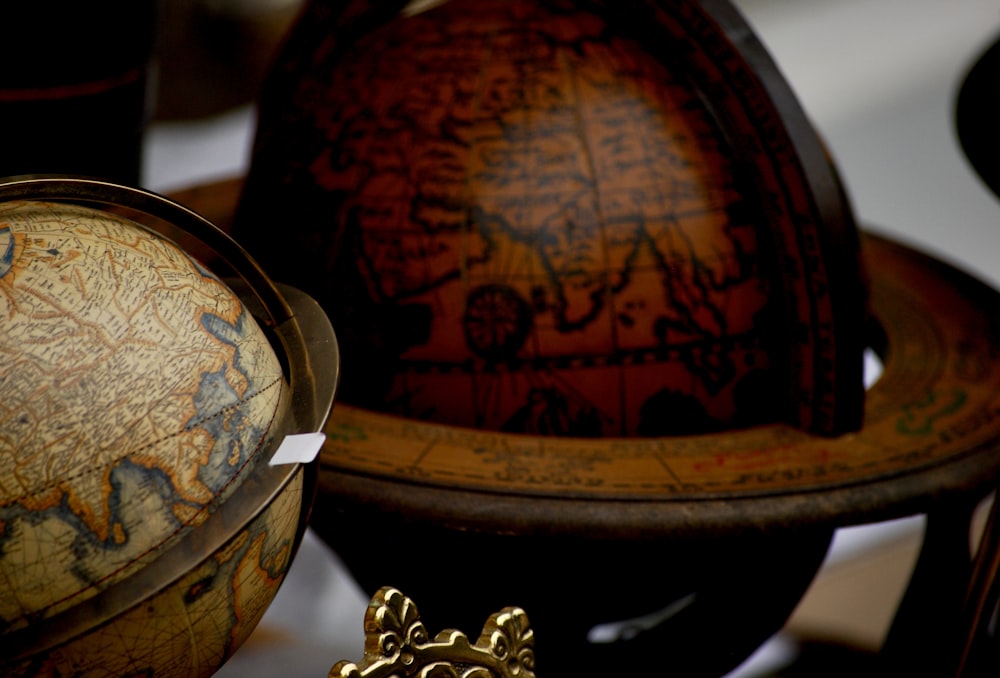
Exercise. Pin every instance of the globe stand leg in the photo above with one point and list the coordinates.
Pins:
(934, 594)
(980, 653)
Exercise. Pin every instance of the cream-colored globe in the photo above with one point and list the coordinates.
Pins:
(137, 395)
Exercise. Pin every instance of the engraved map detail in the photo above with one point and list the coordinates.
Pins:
(538, 228)
(137, 392)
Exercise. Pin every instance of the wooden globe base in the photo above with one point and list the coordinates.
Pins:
(930, 430)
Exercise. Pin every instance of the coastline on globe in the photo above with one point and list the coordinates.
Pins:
(139, 393)
(222, 600)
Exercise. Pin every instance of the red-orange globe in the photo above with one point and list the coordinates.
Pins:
(526, 217)
(538, 218)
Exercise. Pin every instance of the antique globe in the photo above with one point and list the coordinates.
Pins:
(603, 309)
(146, 517)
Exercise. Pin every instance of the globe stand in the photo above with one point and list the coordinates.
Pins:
(927, 447)
(980, 649)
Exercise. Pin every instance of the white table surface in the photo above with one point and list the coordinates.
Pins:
(878, 78)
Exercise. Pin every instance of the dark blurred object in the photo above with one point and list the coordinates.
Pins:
(818, 658)
(73, 89)
(212, 54)
(977, 111)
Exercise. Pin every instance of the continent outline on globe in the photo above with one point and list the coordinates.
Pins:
(116, 492)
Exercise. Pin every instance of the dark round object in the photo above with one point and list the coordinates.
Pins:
(977, 109)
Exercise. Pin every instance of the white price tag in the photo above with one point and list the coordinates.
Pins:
(298, 449)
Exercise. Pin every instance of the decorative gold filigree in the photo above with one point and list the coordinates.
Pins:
(397, 645)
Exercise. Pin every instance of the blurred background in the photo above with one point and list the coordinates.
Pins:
(879, 79)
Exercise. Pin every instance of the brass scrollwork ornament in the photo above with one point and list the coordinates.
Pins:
(398, 645)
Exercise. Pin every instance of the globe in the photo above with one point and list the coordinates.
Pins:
(142, 529)
(557, 238)
(526, 218)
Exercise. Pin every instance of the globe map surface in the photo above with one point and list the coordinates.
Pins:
(138, 393)
(520, 218)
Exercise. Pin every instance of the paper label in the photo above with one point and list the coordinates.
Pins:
(301, 448)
